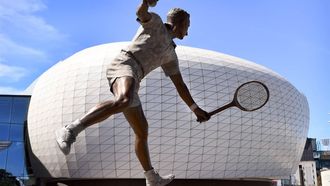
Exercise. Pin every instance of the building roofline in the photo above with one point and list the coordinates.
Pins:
(14, 95)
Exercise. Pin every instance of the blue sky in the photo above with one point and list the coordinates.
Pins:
(290, 37)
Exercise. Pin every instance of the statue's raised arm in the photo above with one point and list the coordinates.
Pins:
(142, 11)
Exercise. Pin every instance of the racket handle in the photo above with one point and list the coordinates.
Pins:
(221, 108)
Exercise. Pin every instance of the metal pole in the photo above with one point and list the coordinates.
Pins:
(290, 180)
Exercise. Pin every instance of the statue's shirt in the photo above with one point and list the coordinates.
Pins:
(151, 47)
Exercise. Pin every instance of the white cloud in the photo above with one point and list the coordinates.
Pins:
(26, 38)
(10, 90)
(9, 47)
(12, 73)
(19, 19)
(24, 6)
(24, 33)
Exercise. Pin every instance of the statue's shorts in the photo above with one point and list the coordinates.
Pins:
(122, 66)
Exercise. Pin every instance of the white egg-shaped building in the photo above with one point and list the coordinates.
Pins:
(266, 143)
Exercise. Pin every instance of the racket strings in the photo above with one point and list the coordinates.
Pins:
(252, 96)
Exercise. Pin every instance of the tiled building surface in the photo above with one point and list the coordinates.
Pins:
(267, 143)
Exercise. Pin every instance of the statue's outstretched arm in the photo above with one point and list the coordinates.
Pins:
(184, 93)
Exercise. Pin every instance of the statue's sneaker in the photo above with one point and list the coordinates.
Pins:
(154, 179)
(64, 138)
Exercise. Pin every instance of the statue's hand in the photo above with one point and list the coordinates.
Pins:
(201, 115)
(152, 3)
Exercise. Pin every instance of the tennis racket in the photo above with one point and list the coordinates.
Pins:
(250, 96)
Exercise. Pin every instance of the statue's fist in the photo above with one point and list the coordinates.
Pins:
(152, 3)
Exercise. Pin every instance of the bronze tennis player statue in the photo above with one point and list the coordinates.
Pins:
(151, 47)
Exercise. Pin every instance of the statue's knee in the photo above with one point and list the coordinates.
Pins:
(124, 101)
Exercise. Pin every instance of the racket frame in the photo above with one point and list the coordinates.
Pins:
(236, 103)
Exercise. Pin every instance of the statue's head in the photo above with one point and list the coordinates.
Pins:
(180, 21)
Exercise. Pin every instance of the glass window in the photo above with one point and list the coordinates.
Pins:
(19, 110)
(15, 160)
(5, 109)
(4, 132)
(16, 132)
(3, 158)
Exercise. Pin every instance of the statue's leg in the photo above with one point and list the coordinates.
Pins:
(139, 124)
(123, 89)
